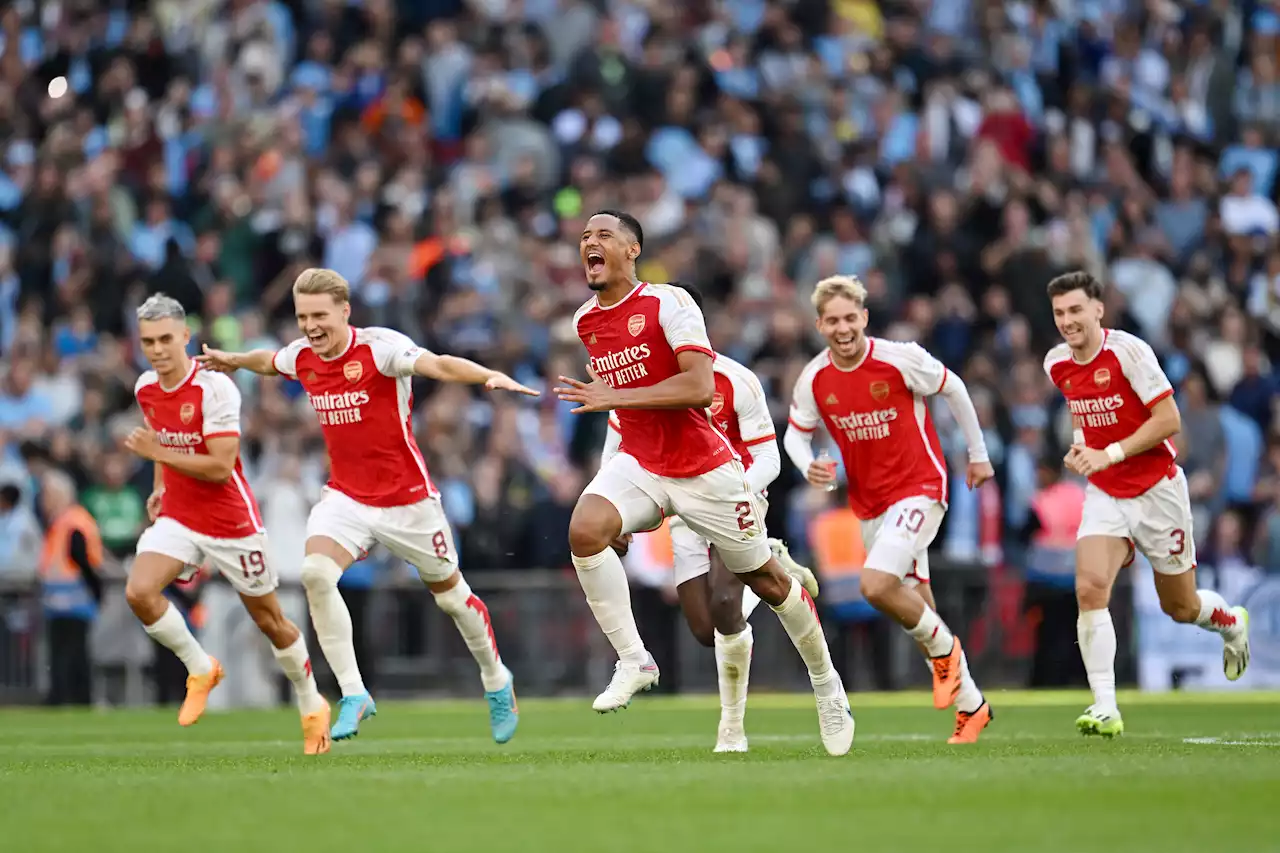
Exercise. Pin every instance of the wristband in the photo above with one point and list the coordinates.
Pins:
(1115, 452)
(1077, 437)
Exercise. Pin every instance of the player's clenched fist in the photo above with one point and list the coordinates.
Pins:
(979, 473)
(153, 504)
(143, 441)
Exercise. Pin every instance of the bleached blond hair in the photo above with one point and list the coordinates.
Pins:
(317, 280)
(845, 286)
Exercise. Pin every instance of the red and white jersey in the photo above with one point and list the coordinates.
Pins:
(738, 409)
(633, 344)
(364, 400)
(876, 413)
(1111, 395)
(205, 405)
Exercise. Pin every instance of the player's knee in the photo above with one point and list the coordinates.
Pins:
(1180, 610)
(726, 610)
(1093, 592)
(877, 586)
(319, 573)
(594, 526)
(144, 598)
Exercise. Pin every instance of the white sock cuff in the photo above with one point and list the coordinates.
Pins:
(1094, 618)
(317, 568)
(297, 647)
(454, 600)
(595, 561)
(792, 599)
(166, 619)
(730, 640)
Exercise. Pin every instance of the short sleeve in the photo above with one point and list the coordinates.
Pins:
(804, 414)
(394, 354)
(285, 361)
(755, 424)
(1141, 367)
(682, 321)
(923, 374)
(221, 406)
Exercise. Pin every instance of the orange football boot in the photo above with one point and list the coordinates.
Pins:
(969, 726)
(946, 676)
(198, 689)
(315, 732)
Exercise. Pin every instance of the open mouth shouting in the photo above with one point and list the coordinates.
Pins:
(595, 262)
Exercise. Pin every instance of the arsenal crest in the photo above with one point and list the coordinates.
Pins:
(635, 324)
(353, 370)
(880, 390)
(187, 412)
(1102, 377)
(717, 403)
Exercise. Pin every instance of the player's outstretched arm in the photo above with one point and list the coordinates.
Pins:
(956, 393)
(259, 361)
(691, 388)
(215, 467)
(451, 368)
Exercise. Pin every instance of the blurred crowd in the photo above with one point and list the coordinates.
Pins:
(442, 155)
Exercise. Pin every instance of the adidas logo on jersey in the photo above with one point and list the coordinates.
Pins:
(831, 400)
(592, 340)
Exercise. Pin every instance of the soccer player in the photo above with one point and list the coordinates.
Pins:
(651, 362)
(358, 382)
(870, 393)
(1125, 415)
(203, 511)
(714, 603)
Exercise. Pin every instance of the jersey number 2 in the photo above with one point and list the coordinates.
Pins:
(745, 521)
(252, 564)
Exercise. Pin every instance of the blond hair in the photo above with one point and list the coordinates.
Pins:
(839, 286)
(322, 281)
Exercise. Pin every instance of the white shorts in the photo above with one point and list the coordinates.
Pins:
(717, 505)
(1157, 522)
(242, 561)
(417, 533)
(898, 541)
(691, 551)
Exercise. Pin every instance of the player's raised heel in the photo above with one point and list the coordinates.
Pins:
(628, 680)
(315, 732)
(198, 689)
(970, 726)
(1098, 721)
(351, 710)
(504, 713)
(946, 676)
(1235, 650)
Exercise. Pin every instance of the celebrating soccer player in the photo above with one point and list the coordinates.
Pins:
(1122, 405)
(714, 603)
(358, 382)
(870, 393)
(203, 511)
(651, 362)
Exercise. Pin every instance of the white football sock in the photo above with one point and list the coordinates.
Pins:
(1097, 637)
(472, 618)
(733, 671)
(750, 601)
(933, 633)
(1215, 614)
(171, 631)
(800, 619)
(969, 699)
(329, 613)
(605, 583)
(296, 664)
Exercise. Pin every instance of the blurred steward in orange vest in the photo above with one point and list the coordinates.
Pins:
(70, 588)
(1050, 538)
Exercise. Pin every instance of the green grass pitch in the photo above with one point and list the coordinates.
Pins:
(1194, 772)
